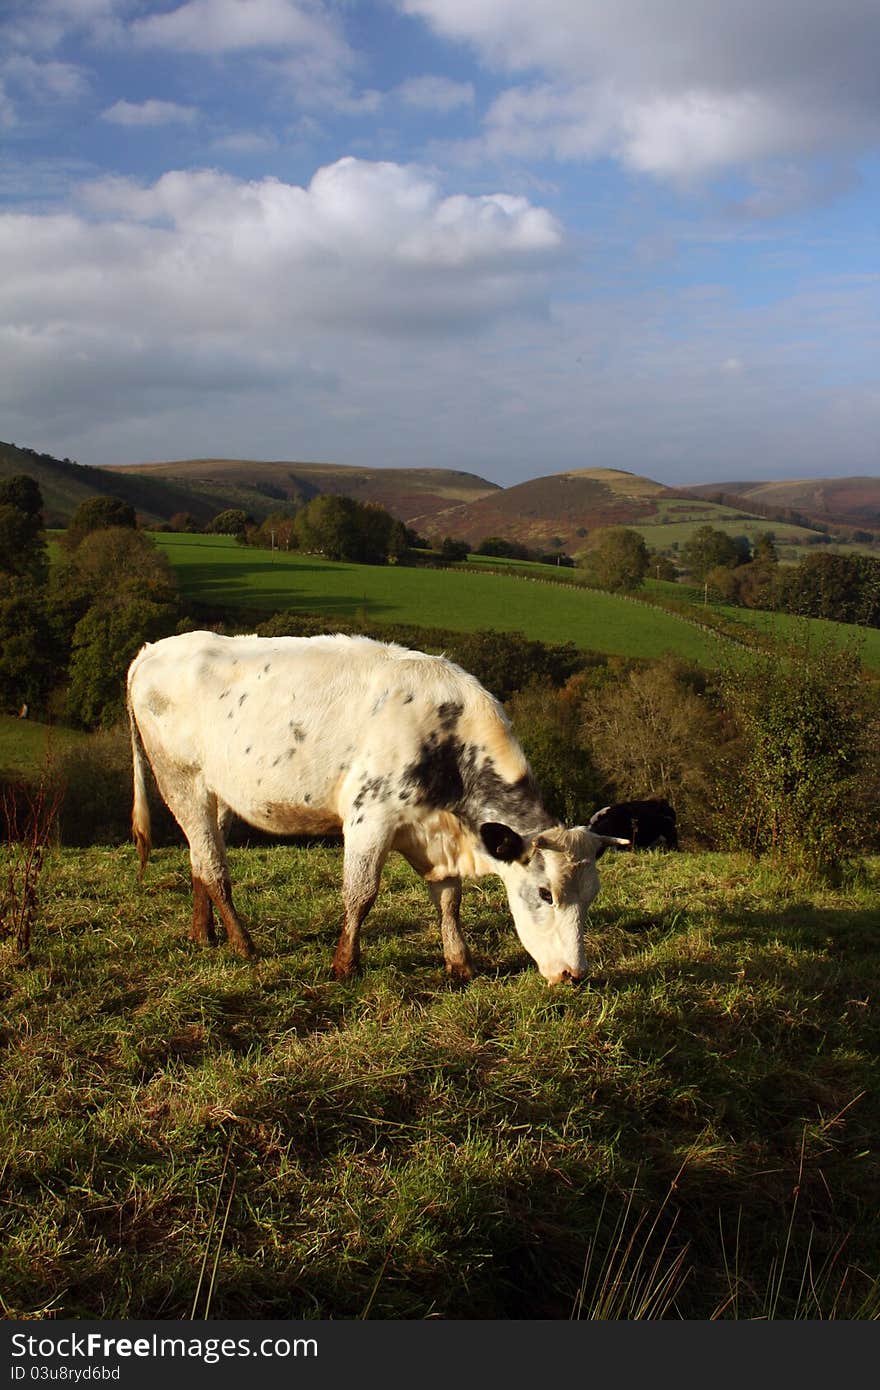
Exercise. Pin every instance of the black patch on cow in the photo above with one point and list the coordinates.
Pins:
(449, 775)
(267, 667)
(409, 699)
(297, 731)
(375, 787)
(242, 698)
(248, 749)
(448, 715)
(276, 761)
(224, 694)
(290, 752)
(436, 776)
(307, 798)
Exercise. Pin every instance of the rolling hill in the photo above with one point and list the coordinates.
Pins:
(830, 501)
(557, 512)
(258, 486)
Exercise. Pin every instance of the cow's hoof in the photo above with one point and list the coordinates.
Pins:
(345, 967)
(245, 950)
(459, 974)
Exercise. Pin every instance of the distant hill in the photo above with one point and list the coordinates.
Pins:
(551, 513)
(65, 484)
(205, 487)
(258, 486)
(829, 501)
(564, 508)
(559, 507)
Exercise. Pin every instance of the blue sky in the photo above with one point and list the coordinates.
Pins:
(484, 234)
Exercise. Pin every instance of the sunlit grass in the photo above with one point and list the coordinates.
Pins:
(174, 1121)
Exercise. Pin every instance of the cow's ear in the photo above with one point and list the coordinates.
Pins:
(603, 842)
(502, 842)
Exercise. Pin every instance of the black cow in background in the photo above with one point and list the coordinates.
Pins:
(647, 824)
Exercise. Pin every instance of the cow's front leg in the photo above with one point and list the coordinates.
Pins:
(446, 895)
(361, 872)
(202, 929)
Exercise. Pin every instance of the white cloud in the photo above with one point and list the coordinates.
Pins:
(229, 26)
(242, 285)
(435, 93)
(678, 91)
(148, 113)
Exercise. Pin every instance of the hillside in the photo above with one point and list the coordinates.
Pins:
(829, 501)
(557, 512)
(259, 485)
(64, 484)
(566, 507)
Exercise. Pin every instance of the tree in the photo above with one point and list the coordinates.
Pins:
(184, 521)
(96, 514)
(656, 734)
(545, 725)
(707, 548)
(115, 592)
(233, 522)
(617, 559)
(22, 543)
(342, 529)
(453, 550)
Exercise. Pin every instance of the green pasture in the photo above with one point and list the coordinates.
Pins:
(28, 747)
(672, 535)
(215, 570)
(691, 1133)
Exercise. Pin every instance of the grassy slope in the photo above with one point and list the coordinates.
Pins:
(216, 570)
(26, 746)
(395, 1146)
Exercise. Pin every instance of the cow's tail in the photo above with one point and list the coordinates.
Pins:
(140, 811)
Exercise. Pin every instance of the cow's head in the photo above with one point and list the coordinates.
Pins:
(551, 881)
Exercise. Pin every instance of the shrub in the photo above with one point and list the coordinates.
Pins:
(545, 725)
(657, 733)
(95, 779)
(805, 786)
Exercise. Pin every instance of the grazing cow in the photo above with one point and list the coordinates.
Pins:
(645, 824)
(395, 749)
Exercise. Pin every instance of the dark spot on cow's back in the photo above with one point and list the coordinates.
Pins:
(448, 715)
(242, 697)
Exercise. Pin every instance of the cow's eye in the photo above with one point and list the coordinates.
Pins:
(546, 895)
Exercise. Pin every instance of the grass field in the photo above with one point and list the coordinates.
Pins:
(27, 746)
(692, 1131)
(215, 570)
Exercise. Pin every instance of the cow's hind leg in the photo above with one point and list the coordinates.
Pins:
(446, 895)
(197, 813)
(365, 853)
(202, 929)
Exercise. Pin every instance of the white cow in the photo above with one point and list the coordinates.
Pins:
(394, 748)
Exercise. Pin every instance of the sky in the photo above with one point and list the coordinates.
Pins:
(493, 235)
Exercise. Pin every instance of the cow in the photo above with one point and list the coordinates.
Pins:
(645, 824)
(395, 749)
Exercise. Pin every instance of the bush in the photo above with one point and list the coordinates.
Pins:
(544, 723)
(95, 779)
(805, 788)
(657, 733)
